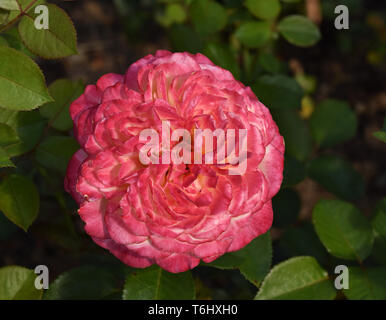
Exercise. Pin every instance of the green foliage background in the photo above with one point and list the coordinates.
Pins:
(297, 259)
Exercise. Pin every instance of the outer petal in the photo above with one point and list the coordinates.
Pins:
(124, 254)
(71, 177)
(178, 262)
(108, 80)
(273, 163)
(92, 213)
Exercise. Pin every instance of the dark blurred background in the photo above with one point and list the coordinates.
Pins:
(347, 64)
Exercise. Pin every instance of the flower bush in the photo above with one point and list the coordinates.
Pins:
(291, 224)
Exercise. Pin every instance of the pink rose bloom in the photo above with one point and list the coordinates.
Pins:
(173, 215)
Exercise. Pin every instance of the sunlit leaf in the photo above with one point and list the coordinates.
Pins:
(343, 229)
(18, 283)
(298, 278)
(9, 4)
(58, 41)
(22, 85)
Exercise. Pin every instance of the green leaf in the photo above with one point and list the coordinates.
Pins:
(269, 62)
(24, 4)
(5, 159)
(83, 283)
(7, 116)
(29, 127)
(230, 260)
(264, 9)
(333, 122)
(174, 13)
(369, 284)
(278, 91)
(22, 85)
(286, 206)
(337, 176)
(379, 220)
(9, 4)
(64, 92)
(18, 283)
(296, 133)
(294, 171)
(343, 229)
(14, 41)
(19, 200)
(253, 260)
(3, 18)
(58, 41)
(208, 16)
(253, 34)
(8, 135)
(299, 30)
(298, 278)
(154, 283)
(257, 259)
(4, 14)
(55, 152)
(301, 240)
(223, 56)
